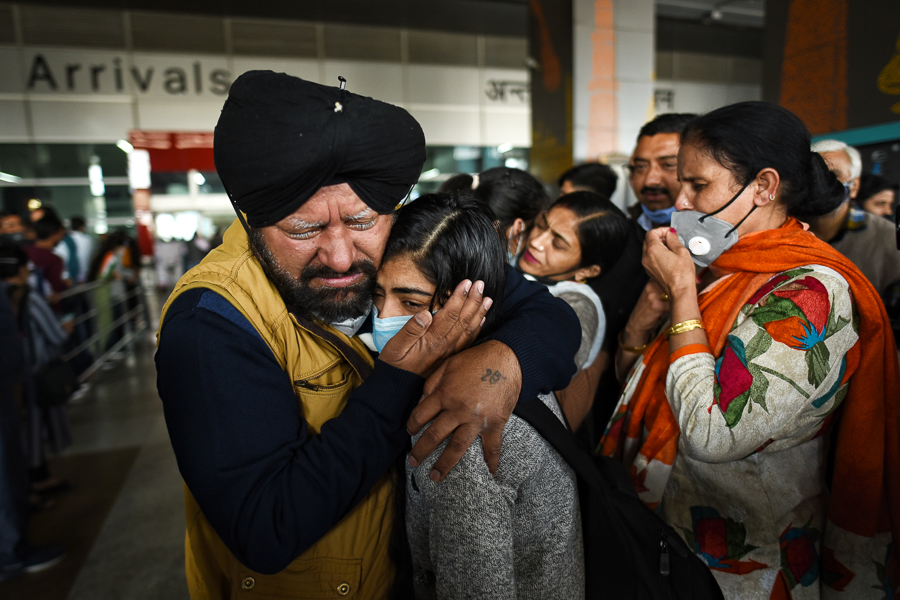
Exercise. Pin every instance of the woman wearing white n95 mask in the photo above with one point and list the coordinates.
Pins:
(761, 422)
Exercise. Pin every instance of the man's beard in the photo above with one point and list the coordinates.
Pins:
(328, 304)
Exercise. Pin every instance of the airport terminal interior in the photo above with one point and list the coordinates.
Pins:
(107, 113)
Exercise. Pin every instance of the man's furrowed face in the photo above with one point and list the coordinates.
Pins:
(323, 257)
(654, 170)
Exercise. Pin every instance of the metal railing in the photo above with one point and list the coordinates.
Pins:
(137, 315)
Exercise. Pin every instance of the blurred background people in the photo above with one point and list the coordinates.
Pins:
(43, 336)
(589, 177)
(75, 249)
(11, 227)
(516, 199)
(867, 240)
(48, 269)
(877, 196)
(17, 555)
(169, 259)
(112, 264)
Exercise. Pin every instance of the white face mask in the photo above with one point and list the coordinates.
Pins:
(706, 237)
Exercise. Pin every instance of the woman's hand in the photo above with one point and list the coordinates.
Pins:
(668, 262)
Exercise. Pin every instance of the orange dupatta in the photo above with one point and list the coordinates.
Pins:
(865, 496)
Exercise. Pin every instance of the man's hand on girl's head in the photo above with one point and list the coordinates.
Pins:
(426, 339)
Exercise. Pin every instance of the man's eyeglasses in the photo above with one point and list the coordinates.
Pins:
(847, 187)
(642, 167)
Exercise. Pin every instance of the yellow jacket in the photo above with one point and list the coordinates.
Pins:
(351, 560)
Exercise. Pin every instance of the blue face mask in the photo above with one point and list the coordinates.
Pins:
(384, 329)
(659, 217)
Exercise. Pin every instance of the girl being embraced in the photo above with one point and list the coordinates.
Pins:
(515, 535)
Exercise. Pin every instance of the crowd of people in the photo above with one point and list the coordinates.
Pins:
(47, 328)
(339, 376)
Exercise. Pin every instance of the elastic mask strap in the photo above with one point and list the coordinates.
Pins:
(733, 229)
(727, 204)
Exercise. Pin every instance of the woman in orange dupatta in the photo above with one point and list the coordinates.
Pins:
(777, 354)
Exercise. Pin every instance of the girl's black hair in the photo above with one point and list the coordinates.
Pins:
(603, 229)
(12, 257)
(748, 137)
(512, 194)
(451, 237)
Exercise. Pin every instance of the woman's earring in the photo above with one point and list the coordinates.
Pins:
(772, 198)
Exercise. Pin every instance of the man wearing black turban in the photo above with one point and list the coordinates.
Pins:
(284, 451)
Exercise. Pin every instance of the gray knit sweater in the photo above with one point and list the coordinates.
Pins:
(516, 535)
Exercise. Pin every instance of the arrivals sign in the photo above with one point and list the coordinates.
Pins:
(108, 73)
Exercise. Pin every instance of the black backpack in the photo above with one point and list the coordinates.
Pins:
(629, 551)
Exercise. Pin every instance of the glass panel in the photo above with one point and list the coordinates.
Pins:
(212, 185)
(29, 161)
(442, 162)
(168, 183)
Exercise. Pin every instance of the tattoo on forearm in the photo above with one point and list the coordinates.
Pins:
(492, 376)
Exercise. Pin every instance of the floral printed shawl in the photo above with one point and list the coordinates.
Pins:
(865, 498)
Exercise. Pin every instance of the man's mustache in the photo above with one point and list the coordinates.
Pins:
(313, 271)
(655, 190)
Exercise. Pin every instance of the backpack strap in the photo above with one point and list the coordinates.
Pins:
(600, 472)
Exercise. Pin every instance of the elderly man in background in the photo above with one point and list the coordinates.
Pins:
(867, 240)
(284, 426)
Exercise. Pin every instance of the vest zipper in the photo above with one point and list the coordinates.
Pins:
(306, 385)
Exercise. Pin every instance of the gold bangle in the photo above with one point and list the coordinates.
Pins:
(684, 327)
(633, 349)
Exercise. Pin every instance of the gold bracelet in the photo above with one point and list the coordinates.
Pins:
(684, 327)
(633, 349)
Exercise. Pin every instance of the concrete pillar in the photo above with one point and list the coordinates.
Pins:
(613, 72)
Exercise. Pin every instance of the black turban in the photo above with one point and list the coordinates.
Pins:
(279, 139)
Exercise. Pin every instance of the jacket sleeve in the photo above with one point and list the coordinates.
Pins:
(269, 488)
(544, 333)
